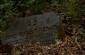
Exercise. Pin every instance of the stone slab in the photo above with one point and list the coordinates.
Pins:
(37, 28)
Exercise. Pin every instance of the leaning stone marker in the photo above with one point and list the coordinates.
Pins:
(34, 28)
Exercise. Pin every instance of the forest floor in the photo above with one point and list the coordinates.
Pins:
(69, 46)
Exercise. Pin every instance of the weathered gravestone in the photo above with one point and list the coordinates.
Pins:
(34, 28)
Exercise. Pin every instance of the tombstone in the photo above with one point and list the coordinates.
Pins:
(33, 28)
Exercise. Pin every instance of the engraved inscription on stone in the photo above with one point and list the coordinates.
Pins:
(37, 28)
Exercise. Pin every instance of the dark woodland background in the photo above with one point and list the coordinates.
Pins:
(71, 29)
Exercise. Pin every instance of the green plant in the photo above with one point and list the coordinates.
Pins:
(6, 10)
(38, 6)
(1, 33)
(73, 9)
